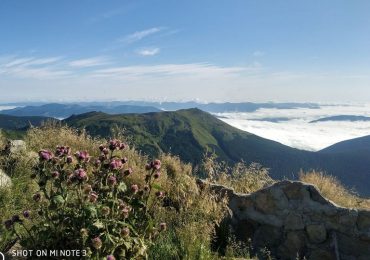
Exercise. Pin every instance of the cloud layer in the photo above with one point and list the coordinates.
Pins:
(298, 132)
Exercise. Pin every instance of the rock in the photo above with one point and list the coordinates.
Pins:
(293, 217)
(293, 222)
(320, 254)
(5, 180)
(15, 146)
(316, 233)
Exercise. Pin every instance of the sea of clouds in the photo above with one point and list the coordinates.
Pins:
(294, 128)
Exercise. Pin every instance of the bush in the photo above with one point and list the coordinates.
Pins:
(89, 204)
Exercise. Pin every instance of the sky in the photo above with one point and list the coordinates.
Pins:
(225, 50)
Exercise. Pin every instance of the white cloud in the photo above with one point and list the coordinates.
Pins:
(298, 132)
(139, 35)
(30, 67)
(89, 62)
(148, 51)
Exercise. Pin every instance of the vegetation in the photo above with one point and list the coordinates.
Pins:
(171, 196)
(331, 188)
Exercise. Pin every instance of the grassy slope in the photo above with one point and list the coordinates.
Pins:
(8, 122)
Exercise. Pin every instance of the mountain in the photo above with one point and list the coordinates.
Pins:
(342, 118)
(66, 110)
(356, 145)
(190, 133)
(8, 122)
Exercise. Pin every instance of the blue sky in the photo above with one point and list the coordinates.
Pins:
(184, 50)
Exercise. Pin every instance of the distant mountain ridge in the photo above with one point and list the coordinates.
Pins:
(66, 110)
(21, 123)
(342, 118)
(63, 110)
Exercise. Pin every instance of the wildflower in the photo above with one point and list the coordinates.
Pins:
(81, 175)
(127, 172)
(115, 164)
(157, 164)
(146, 188)
(162, 226)
(45, 155)
(97, 163)
(93, 197)
(125, 211)
(156, 175)
(125, 232)
(8, 224)
(114, 144)
(101, 147)
(111, 257)
(105, 151)
(124, 160)
(134, 188)
(159, 194)
(37, 197)
(112, 181)
(105, 211)
(96, 243)
(122, 146)
(55, 175)
(82, 156)
(26, 214)
(69, 159)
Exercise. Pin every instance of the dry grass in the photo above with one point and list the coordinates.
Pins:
(331, 188)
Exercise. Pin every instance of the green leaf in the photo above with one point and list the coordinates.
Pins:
(90, 211)
(57, 200)
(98, 224)
(122, 187)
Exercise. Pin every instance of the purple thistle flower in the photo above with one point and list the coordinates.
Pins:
(112, 181)
(134, 188)
(55, 175)
(157, 175)
(69, 159)
(81, 174)
(115, 164)
(93, 197)
(96, 243)
(111, 257)
(45, 155)
(82, 156)
(37, 197)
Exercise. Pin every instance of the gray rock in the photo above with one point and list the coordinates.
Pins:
(316, 233)
(15, 146)
(5, 180)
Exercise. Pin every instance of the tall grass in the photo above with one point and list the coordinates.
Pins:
(331, 188)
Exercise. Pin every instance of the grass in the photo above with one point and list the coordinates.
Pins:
(332, 189)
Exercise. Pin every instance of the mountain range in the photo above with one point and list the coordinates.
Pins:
(190, 133)
(123, 107)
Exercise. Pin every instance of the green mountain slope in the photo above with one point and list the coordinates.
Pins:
(189, 133)
(8, 122)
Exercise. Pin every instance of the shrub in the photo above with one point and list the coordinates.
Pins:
(87, 203)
